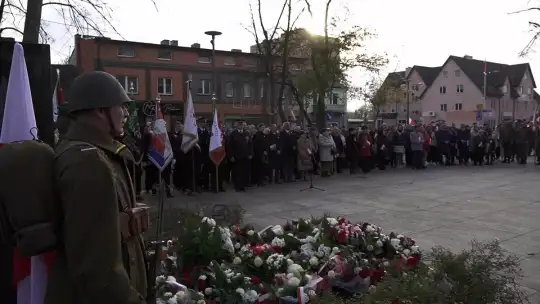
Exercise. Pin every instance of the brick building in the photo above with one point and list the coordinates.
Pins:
(147, 70)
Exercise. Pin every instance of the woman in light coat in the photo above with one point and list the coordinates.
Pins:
(305, 155)
(327, 148)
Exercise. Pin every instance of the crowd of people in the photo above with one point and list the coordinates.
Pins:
(258, 155)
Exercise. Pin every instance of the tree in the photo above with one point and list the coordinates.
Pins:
(85, 15)
(364, 112)
(535, 30)
(331, 56)
(379, 94)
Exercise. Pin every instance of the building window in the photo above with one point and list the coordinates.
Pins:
(393, 110)
(520, 90)
(229, 61)
(459, 88)
(458, 106)
(529, 91)
(457, 73)
(525, 76)
(402, 121)
(504, 89)
(125, 51)
(442, 90)
(405, 94)
(164, 55)
(444, 108)
(445, 74)
(204, 59)
(129, 83)
(335, 98)
(164, 86)
(247, 90)
(205, 87)
(414, 87)
(262, 91)
(229, 89)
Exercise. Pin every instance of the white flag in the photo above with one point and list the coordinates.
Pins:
(191, 136)
(215, 140)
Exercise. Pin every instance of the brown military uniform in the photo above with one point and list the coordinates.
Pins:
(102, 256)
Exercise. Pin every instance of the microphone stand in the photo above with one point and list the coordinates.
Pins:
(311, 187)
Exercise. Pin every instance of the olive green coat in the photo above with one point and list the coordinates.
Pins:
(95, 264)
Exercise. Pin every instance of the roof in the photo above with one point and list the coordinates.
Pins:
(428, 74)
(497, 74)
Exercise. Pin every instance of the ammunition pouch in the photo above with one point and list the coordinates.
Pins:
(28, 195)
(134, 221)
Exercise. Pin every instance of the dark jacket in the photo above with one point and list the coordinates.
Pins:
(100, 261)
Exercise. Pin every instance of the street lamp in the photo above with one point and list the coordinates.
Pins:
(485, 93)
(213, 34)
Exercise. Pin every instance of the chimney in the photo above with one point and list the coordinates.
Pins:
(236, 50)
(468, 57)
(174, 42)
(164, 42)
(196, 45)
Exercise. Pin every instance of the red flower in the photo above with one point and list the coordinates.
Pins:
(341, 236)
(377, 275)
(255, 280)
(412, 261)
(257, 250)
(276, 249)
(201, 284)
(364, 273)
(342, 221)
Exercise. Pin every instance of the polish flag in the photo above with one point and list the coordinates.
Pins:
(58, 96)
(485, 68)
(411, 122)
(216, 149)
(19, 124)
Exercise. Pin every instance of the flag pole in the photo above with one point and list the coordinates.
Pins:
(161, 195)
(193, 181)
(215, 116)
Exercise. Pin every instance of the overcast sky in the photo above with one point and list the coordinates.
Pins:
(411, 32)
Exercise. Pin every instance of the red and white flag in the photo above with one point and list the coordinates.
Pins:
(19, 124)
(58, 96)
(216, 149)
(485, 68)
(411, 122)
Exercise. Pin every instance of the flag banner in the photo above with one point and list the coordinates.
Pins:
(58, 96)
(19, 124)
(160, 152)
(217, 151)
(411, 122)
(485, 68)
(191, 135)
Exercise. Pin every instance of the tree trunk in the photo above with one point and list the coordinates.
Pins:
(2, 5)
(32, 22)
(320, 114)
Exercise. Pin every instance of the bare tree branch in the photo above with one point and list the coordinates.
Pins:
(10, 28)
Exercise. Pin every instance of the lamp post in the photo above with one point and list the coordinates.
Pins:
(485, 91)
(213, 34)
(408, 82)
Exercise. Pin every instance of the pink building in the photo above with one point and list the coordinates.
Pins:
(454, 92)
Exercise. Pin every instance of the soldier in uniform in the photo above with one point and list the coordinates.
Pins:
(274, 155)
(101, 259)
(260, 156)
(239, 152)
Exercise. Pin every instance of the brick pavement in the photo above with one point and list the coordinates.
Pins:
(438, 206)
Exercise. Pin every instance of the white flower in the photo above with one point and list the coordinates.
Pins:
(171, 279)
(201, 302)
(315, 230)
(310, 239)
(294, 253)
(161, 279)
(250, 296)
(208, 291)
(295, 269)
(400, 236)
(379, 244)
(314, 261)
(279, 291)
(277, 230)
(372, 288)
(335, 250)
(168, 294)
(308, 278)
(331, 221)
(395, 242)
(311, 293)
(414, 248)
(173, 300)
(210, 221)
(290, 275)
(370, 247)
(237, 261)
(357, 270)
(202, 277)
(180, 295)
(406, 251)
(240, 291)
(293, 282)
(250, 232)
(237, 246)
(331, 274)
(289, 262)
(386, 264)
(277, 242)
(370, 228)
(257, 262)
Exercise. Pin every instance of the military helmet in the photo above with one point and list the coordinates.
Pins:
(94, 90)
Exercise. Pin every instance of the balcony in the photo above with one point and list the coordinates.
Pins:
(339, 108)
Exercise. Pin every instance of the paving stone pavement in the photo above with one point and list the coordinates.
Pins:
(438, 206)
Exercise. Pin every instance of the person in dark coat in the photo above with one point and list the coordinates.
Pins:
(274, 155)
(206, 164)
(352, 150)
(260, 156)
(240, 154)
(288, 152)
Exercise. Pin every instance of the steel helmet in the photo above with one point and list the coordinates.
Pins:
(94, 90)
